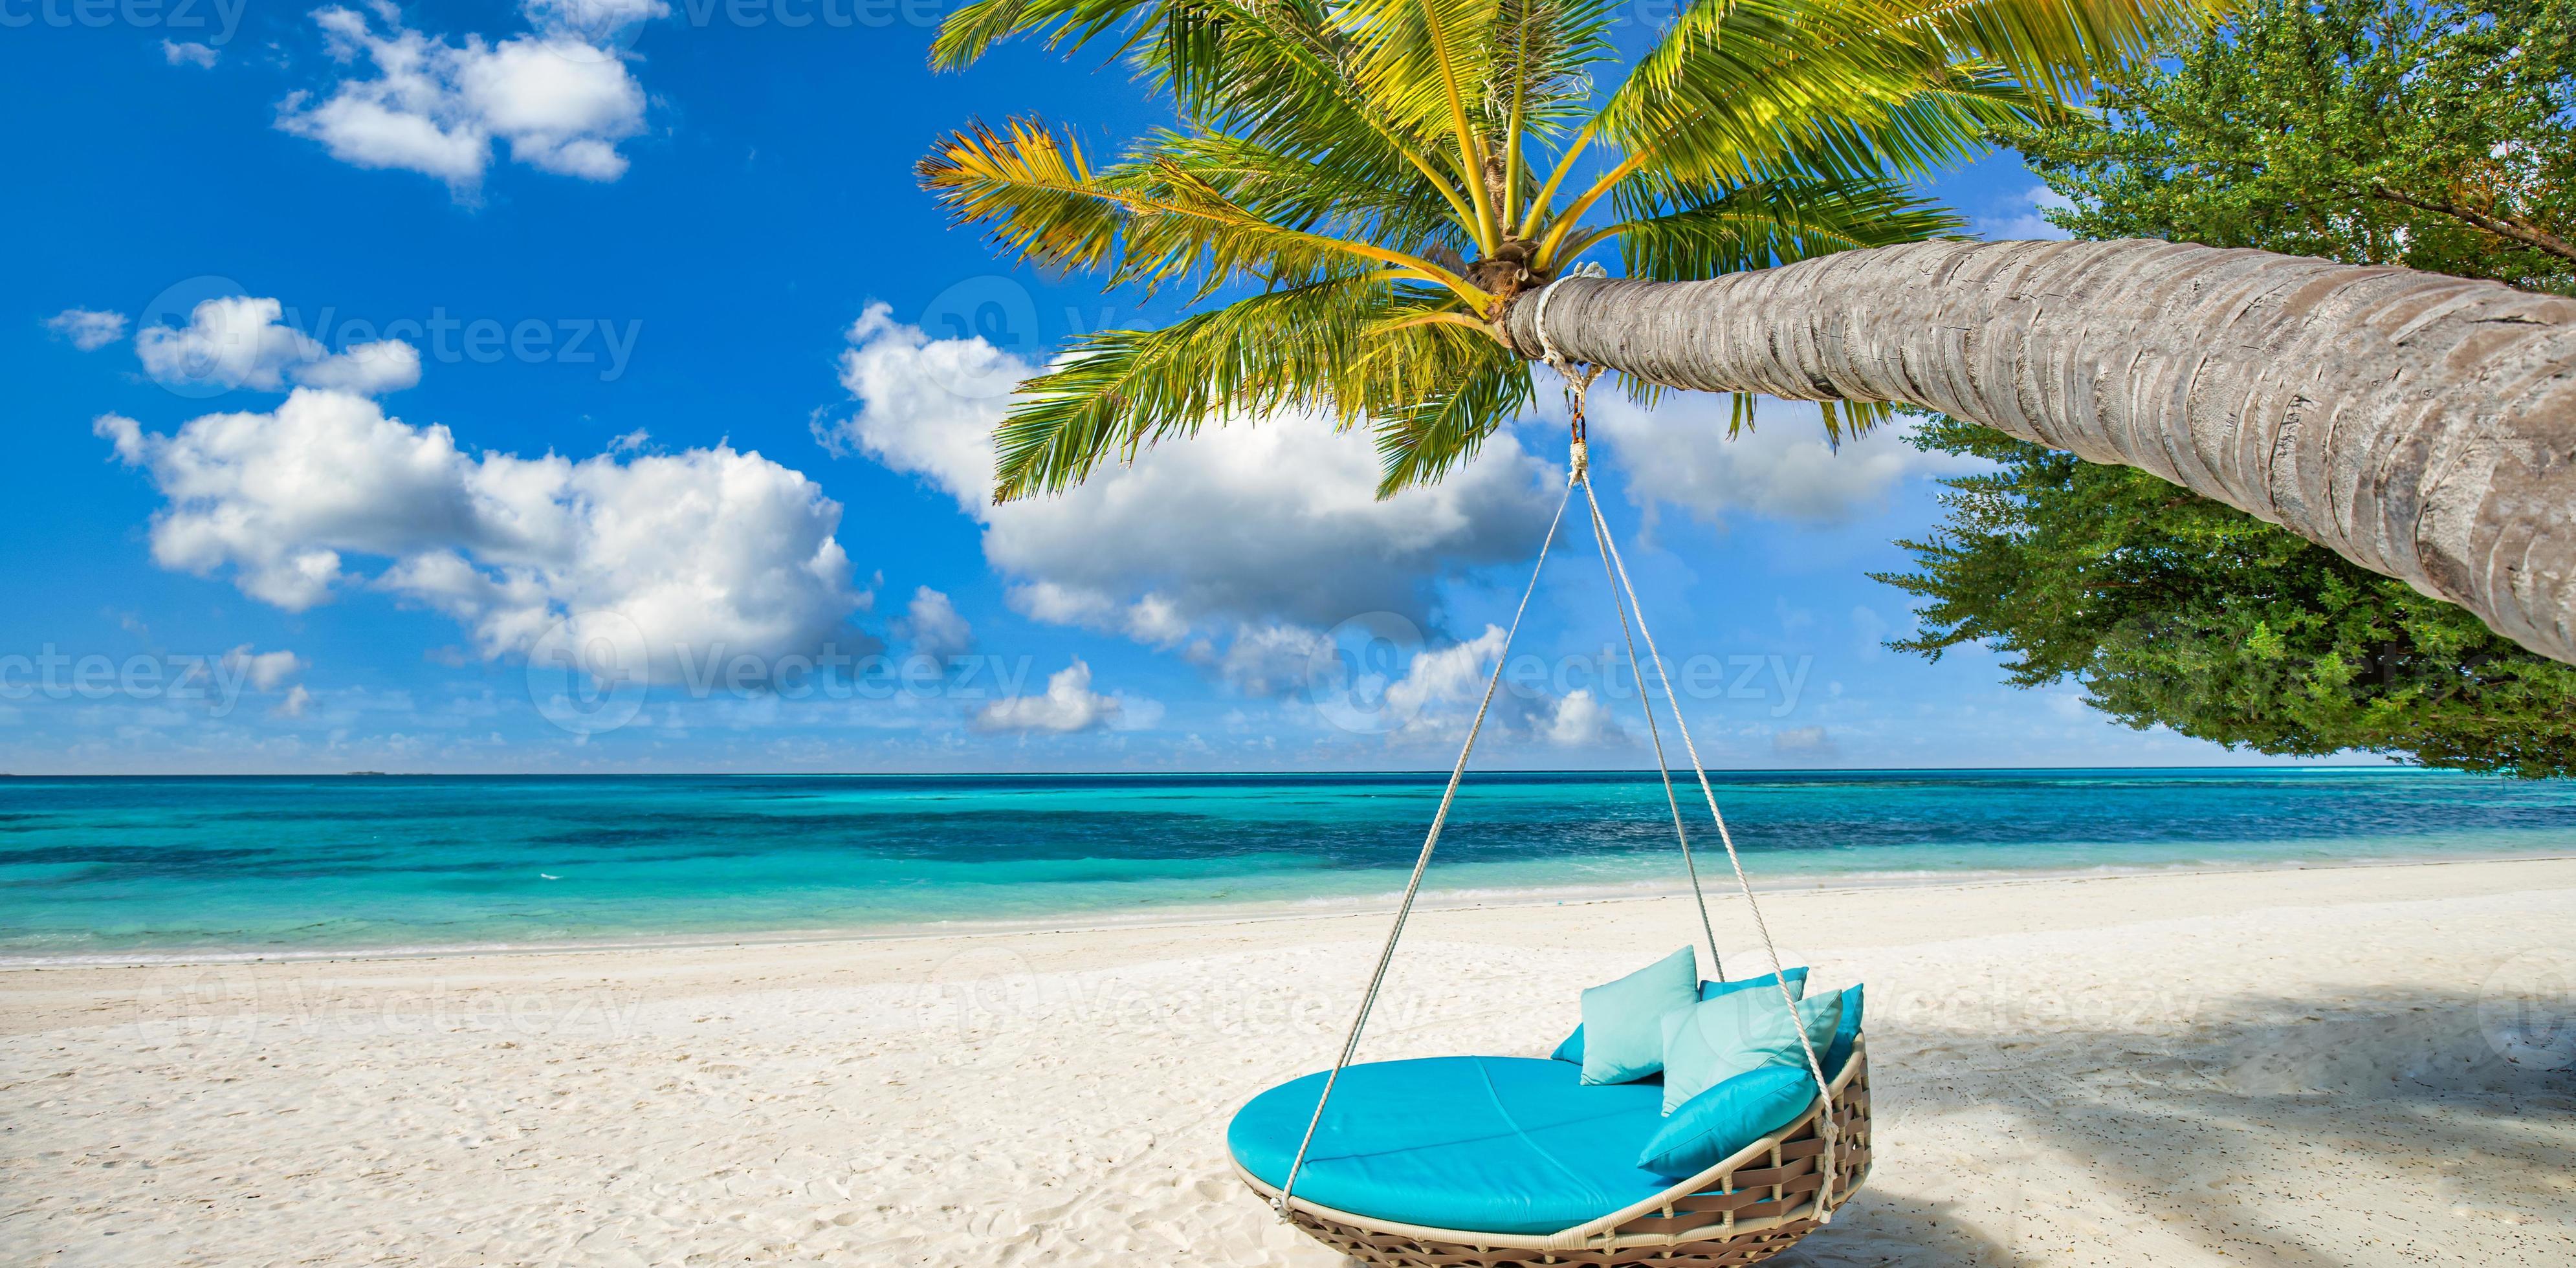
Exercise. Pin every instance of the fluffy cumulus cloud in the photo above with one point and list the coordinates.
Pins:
(265, 671)
(1068, 705)
(1244, 539)
(1678, 454)
(1580, 719)
(188, 53)
(1436, 697)
(1438, 682)
(87, 330)
(240, 341)
(700, 553)
(933, 628)
(559, 98)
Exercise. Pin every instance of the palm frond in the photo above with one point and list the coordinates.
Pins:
(1426, 64)
(972, 30)
(1421, 441)
(1118, 392)
(1384, 174)
(1711, 232)
(1152, 219)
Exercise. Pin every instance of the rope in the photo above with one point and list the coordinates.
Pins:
(1826, 1128)
(1663, 766)
(1577, 388)
(1538, 318)
(1439, 820)
(1579, 474)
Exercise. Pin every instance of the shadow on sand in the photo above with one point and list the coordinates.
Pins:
(2254, 1133)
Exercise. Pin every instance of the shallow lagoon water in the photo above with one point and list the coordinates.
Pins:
(132, 868)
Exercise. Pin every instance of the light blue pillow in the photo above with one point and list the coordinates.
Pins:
(1572, 1048)
(1846, 1034)
(1732, 1034)
(1623, 1021)
(1710, 1127)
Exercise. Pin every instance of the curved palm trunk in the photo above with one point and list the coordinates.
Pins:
(2421, 426)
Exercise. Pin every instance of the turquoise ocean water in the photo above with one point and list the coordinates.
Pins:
(144, 867)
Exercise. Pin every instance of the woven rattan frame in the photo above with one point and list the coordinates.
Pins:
(1742, 1211)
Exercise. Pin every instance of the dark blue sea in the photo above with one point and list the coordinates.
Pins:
(137, 868)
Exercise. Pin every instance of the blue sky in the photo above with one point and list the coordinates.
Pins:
(371, 366)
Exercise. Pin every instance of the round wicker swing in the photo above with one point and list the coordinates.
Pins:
(1741, 1211)
(1746, 1208)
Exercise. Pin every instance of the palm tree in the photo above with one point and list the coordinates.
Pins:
(1384, 177)
(1365, 191)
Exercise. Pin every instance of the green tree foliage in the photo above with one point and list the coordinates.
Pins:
(2433, 135)
(2438, 135)
(2170, 608)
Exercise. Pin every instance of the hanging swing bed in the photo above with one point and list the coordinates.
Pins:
(1501, 1162)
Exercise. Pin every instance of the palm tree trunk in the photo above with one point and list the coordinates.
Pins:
(2419, 425)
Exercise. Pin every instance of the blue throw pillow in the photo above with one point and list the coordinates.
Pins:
(1623, 1021)
(1572, 1048)
(1845, 1034)
(1709, 1128)
(1710, 1043)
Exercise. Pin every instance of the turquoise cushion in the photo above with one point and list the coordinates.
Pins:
(1572, 1048)
(1623, 1021)
(1732, 1034)
(1846, 1034)
(1709, 1128)
(1487, 1144)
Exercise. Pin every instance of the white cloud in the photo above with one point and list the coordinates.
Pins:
(240, 341)
(295, 704)
(1069, 705)
(2020, 218)
(264, 671)
(933, 628)
(88, 331)
(707, 550)
(366, 369)
(1437, 696)
(1581, 720)
(1678, 453)
(595, 17)
(1452, 675)
(1238, 529)
(1262, 659)
(188, 54)
(1804, 742)
(560, 96)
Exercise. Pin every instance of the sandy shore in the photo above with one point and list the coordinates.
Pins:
(2259, 1068)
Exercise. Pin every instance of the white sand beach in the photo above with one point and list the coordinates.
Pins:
(2274, 1068)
